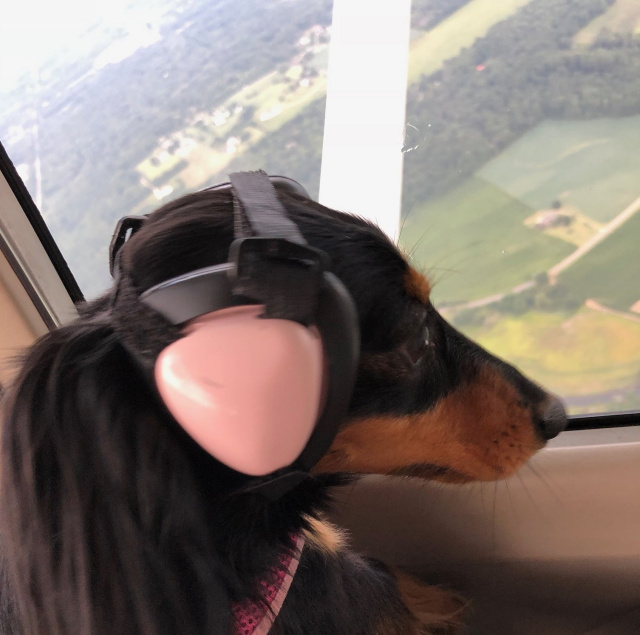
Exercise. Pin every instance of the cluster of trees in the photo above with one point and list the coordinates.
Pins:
(92, 133)
(543, 297)
(524, 70)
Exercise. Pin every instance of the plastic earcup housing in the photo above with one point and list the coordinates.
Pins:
(246, 389)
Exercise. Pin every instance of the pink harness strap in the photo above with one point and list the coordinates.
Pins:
(250, 618)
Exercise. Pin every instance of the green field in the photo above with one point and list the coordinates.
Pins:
(460, 30)
(588, 353)
(473, 243)
(622, 17)
(593, 165)
(610, 272)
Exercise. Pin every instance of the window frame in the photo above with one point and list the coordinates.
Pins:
(32, 253)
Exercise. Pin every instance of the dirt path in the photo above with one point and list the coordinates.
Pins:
(596, 306)
(607, 230)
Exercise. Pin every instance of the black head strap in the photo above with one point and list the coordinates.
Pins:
(274, 264)
(258, 211)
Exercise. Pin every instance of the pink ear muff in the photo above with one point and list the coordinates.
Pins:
(246, 389)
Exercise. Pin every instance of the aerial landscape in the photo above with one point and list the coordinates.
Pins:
(521, 189)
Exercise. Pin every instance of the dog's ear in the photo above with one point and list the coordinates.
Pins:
(102, 521)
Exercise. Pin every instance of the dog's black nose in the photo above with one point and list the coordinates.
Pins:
(553, 419)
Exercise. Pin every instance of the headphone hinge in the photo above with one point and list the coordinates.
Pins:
(282, 275)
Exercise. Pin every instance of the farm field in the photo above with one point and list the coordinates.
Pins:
(582, 356)
(447, 39)
(475, 237)
(473, 243)
(591, 165)
(622, 17)
(610, 272)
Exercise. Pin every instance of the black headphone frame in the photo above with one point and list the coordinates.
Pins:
(293, 282)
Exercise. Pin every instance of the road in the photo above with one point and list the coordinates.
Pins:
(584, 249)
(607, 230)
(495, 297)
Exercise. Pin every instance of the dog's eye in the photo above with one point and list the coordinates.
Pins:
(416, 348)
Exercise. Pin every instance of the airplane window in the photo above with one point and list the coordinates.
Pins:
(521, 176)
(521, 190)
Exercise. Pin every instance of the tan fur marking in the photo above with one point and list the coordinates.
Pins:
(324, 536)
(433, 607)
(480, 431)
(417, 286)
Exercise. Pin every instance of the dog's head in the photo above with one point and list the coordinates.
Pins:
(428, 402)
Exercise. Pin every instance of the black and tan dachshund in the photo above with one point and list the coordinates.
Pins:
(115, 522)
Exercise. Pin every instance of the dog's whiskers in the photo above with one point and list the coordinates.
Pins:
(544, 481)
(511, 503)
(529, 495)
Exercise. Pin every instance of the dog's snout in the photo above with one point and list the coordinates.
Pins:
(553, 419)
